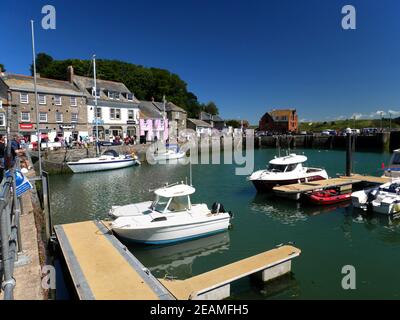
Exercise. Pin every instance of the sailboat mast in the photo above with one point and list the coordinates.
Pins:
(95, 105)
(36, 97)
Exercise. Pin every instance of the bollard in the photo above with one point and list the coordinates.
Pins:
(349, 154)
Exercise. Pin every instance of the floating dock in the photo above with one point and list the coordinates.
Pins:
(215, 284)
(101, 267)
(343, 182)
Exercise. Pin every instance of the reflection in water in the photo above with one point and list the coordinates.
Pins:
(385, 228)
(290, 212)
(177, 260)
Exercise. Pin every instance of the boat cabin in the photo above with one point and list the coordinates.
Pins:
(289, 163)
(173, 199)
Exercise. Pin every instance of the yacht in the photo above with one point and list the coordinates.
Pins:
(384, 199)
(109, 160)
(170, 218)
(286, 170)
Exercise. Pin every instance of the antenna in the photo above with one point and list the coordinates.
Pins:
(190, 169)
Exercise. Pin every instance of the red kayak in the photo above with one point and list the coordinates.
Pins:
(328, 197)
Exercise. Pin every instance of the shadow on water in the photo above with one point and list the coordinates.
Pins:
(177, 260)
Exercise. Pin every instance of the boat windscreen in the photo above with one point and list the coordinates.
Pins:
(160, 204)
(179, 203)
(277, 167)
(396, 159)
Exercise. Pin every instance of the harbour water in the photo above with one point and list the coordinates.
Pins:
(329, 237)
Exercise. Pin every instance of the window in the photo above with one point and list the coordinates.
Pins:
(110, 95)
(57, 100)
(25, 117)
(115, 114)
(73, 102)
(1, 104)
(42, 99)
(24, 98)
(2, 120)
(179, 203)
(43, 116)
(160, 204)
(97, 93)
(59, 117)
(98, 113)
(74, 117)
(131, 114)
(129, 96)
(116, 95)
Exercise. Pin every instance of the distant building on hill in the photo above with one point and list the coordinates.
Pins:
(280, 121)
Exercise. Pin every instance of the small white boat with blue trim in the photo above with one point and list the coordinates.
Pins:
(171, 152)
(109, 160)
(170, 218)
(384, 199)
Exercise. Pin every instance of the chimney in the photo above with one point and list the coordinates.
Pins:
(37, 75)
(152, 99)
(70, 73)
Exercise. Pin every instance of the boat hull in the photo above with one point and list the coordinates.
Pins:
(268, 185)
(327, 200)
(77, 167)
(173, 234)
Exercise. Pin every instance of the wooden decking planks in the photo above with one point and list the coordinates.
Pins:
(329, 183)
(185, 289)
(100, 267)
(369, 179)
(315, 185)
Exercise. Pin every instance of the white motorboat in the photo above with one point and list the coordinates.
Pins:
(393, 170)
(384, 199)
(109, 160)
(171, 152)
(170, 218)
(286, 170)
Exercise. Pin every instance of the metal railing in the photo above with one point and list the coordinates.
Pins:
(10, 210)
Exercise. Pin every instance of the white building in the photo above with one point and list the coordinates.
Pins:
(117, 108)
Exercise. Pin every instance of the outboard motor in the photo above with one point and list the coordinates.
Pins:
(217, 208)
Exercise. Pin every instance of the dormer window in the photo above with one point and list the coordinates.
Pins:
(116, 95)
(97, 93)
(129, 96)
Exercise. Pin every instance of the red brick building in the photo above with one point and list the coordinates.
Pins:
(280, 120)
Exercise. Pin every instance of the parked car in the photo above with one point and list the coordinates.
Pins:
(369, 131)
(329, 132)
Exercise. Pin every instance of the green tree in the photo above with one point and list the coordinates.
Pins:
(233, 123)
(144, 82)
(43, 60)
(211, 108)
(2, 68)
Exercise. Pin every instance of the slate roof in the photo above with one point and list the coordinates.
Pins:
(85, 84)
(200, 123)
(169, 106)
(209, 117)
(24, 83)
(149, 111)
(112, 103)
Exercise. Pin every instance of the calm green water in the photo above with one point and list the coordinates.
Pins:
(329, 237)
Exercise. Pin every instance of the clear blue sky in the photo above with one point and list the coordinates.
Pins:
(247, 56)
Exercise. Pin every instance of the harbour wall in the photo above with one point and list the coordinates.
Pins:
(380, 142)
